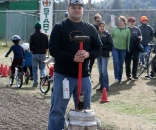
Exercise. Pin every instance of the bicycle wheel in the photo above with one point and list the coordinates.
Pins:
(19, 80)
(143, 67)
(27, 77)
(151, 70)
(44, 85)
(139, 62)
(11, 80)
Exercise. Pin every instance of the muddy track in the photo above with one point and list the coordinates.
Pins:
(21, 111)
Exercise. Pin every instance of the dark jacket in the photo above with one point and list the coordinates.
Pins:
(107, 44)
(135, 35)
(97, 27)
(38, 42)
(147, 33)
(17, 50)
(63, 48)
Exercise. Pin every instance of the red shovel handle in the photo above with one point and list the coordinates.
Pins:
(80, 72)
(80, 75)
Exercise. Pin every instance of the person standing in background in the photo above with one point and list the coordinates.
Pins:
(135, 39)
(147, 35)
(102, 61)
(121, 40)
(97, 20)
(38, 48)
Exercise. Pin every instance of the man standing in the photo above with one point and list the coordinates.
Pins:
(67, 57)
(97, 20)
(38, 47)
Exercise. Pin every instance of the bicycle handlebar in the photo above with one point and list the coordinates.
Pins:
(150, 44)
(10, 58)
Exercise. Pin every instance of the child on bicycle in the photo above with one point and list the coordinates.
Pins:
(50, 60)
(18, 54)
(27, 63)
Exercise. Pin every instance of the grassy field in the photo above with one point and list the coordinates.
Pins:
(132, 103)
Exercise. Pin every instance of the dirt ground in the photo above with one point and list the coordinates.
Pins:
(21, 111)
(28, 108)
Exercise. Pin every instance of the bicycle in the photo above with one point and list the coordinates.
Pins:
(18, 76)
(149, 64)
(27, 76)
(45, 81)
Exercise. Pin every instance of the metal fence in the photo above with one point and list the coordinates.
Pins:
(17, 23)
(106, 16)
(22, 22)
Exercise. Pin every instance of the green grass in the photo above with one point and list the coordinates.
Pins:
(134, 109)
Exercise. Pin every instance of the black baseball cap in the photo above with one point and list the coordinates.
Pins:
(76, 2)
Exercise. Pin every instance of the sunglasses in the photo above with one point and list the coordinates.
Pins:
(79, 2)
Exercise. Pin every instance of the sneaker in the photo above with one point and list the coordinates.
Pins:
(135, 77)
(31, 78)
(51, 79)
(41, 78)
(129, 78)
(116, 80)
(121, 80)
(151, 75)
(34, 85)
(147, 76)
(100, 89)
(107, 89)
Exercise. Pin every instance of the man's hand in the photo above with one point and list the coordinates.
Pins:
(81, 55)
(78, 59)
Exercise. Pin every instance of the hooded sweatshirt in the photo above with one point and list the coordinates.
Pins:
(28, 59)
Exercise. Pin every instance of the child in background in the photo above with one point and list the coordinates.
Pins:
(18, 54)
(28, 59)
(51, 69)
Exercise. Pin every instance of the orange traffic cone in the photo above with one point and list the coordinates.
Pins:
(104, 98)
(1, 68)
(6, 67)
(4, 72)
(9, 70)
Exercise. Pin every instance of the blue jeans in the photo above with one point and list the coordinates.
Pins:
(102, 63)
(37, 60)
(59, 105)
(146, 49)
(118, 60)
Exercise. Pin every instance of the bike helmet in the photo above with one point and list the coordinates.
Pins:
(66, 14)
(16, 39)
(25, 46)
